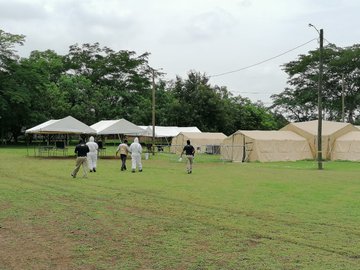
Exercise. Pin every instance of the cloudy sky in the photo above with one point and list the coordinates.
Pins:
(209, 36)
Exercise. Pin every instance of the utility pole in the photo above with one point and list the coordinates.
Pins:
(154, 74)
(319, 137)
(343, 98)
(320, 167)
(153, 111)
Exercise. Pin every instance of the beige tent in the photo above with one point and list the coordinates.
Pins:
(347, 147)
(265, 146)
(330, 132)
(204, 142)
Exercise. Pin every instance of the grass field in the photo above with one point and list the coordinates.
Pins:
(223, 216)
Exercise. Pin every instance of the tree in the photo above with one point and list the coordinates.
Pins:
(120, 81)
(8, 67)
(213, 108)
(7, 44)
(299, 101)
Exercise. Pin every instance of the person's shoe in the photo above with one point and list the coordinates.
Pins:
(122, 169)
(140, 170)
(73, 175)
(132, 171)
(94, 169)
(90, 170)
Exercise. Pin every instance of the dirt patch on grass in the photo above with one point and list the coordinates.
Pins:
(27, 246)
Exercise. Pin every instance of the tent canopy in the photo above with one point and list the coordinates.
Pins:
(265, 146)
(67, 125)
(120, 126)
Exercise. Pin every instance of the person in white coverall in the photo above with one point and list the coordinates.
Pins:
(136, 150)
(92, 155)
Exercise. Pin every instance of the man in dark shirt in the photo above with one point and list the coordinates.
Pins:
(189, 152)
(81, 151)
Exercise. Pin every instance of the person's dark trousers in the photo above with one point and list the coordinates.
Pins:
(123, 161)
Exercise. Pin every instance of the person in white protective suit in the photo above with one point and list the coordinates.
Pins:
(136, 150)
(92, 155)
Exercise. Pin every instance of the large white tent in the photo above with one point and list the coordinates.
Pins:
(330, 132)
(120, 126)
(265, 146)
(347, 147)
(200, 140)
(67, 125)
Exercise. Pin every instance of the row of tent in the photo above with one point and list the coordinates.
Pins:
(295, 141)
(70, 125)
(179, 135)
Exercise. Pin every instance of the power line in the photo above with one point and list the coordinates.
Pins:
(253, 65)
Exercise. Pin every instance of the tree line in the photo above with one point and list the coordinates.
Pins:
(93, 83)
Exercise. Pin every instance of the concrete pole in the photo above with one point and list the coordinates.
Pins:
(320, 167)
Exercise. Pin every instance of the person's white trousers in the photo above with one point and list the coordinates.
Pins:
(136, 162)
(92, 159)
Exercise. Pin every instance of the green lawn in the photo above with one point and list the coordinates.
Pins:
(223, 216)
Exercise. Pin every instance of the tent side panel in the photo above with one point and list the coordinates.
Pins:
(226, 148)
(311, 139)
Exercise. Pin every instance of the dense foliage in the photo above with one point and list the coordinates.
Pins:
(341, 79)
(93, 83)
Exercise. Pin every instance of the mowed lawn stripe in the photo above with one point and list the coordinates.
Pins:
(223, 216)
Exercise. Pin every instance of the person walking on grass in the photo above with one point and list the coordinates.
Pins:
(136, 150)
(81, 151)
(93, 153)
(123, 148)
(189, 152)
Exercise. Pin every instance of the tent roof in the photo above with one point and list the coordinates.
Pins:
(328, 127)
(120, 126)
(189, 129)
(162, 131)
(351, 136)
(67, 125)
(271, 135)
(204, 135)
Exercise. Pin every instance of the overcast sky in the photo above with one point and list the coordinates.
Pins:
(209, 36)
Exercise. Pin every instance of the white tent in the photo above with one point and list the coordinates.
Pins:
(120, 126)
(201, 141)
(67, 125)
(330, 132)
(347, 147)
(265, 146)
(165, 132)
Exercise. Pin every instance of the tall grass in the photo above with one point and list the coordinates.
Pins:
(223, 216)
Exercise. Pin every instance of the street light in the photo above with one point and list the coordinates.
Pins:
(319, 152)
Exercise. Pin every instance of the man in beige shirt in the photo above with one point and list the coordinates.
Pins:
(123, 148)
